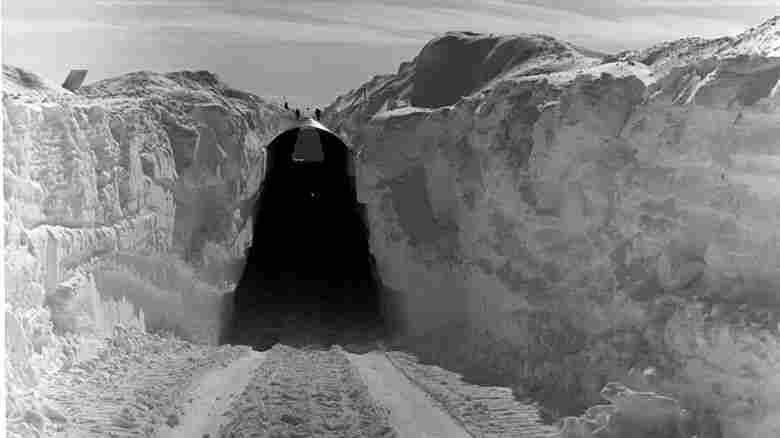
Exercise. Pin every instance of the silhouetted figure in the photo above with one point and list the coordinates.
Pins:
(317, 113)
(298, 113)
(286, 106)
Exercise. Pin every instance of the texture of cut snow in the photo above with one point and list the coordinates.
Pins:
(775, 89)
(707, 79)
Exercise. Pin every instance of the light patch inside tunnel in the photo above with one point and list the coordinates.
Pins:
(308, 147)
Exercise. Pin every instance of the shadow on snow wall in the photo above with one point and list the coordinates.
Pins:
(310, 254)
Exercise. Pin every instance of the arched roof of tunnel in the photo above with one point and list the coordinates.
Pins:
(309, 141)
(279, 150)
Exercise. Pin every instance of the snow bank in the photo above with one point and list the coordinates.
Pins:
(569, 227)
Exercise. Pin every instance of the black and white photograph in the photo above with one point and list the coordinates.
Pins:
(390, 218)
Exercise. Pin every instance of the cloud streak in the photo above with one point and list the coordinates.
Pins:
(152, 4)
(402, 22)
(18, 27)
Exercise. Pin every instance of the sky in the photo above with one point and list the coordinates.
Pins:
(311, 51)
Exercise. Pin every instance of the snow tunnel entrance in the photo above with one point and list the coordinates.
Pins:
(309, 273)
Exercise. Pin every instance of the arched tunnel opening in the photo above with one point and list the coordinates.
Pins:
(309, 275)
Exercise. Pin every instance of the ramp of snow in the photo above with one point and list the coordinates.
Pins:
(617, 69)
(401, 112)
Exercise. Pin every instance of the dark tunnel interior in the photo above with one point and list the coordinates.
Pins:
(309, 275)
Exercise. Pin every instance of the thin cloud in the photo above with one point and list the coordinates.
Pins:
(278, 30)
(152, 3)
(15, 26)
(704, 4)
(406, 23)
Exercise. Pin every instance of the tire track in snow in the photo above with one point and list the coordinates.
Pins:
(210, 397)
(413, 414)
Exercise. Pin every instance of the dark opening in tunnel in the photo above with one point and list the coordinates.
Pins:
(309, 273)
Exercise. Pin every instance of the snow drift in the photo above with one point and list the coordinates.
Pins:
(556, 220)
(127, 203)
